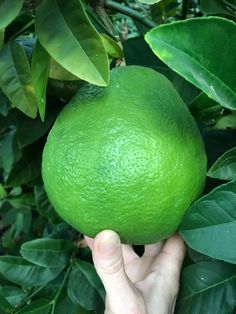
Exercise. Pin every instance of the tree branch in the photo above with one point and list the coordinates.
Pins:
(110, 4)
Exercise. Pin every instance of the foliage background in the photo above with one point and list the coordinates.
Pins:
(45, 57)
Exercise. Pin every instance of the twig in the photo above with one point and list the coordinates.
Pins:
(184, 9)
(110, 4)
(59, 290)
(23, 29)
(28, 298)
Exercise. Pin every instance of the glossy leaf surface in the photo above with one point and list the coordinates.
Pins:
(209, 226)
(65, 31)
(225, 166)
(9, 11)
(207, 287)
(40, 70)
(16, 79)
(182, 46)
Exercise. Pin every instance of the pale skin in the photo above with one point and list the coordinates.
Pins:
(138, 285)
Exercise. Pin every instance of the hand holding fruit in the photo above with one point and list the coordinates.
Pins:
(142, 285)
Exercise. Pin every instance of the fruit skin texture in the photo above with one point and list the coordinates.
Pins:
(128, 157)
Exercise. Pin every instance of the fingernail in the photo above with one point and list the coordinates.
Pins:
(109, 245)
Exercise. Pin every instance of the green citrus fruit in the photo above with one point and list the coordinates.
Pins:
(128, 157)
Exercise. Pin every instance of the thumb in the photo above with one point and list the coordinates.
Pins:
(108, 261)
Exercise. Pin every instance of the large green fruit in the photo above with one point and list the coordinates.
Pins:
(128, 157)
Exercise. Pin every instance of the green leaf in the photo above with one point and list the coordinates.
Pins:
(227, 7)
(40, 70)
(112, 47)
(27, 169)
(162, 10)
(226, 122)
(9, 11)
(21, 272)
(5, 307)
(209, 226)
(40, 306)
(197, 257)
(57, 72)
(4, 106)
(9, 151)
(30, 130)
(65, 31)
(225, 166)
(66, 306)
(1, 38)
(3, 192)
(16, 79)
(12, 294)
(43, 204)
(205, 109)
(90, 273)
(137, 52)
(47, 252)
(207, 287)
(81, 286)
(182, 46)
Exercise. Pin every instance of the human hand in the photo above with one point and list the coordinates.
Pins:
(138, 285)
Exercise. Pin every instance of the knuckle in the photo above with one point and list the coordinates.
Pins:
(112, 268)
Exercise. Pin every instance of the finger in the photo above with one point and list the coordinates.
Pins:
(175, 248)
(129, 254)
(108, 261)
(90, 241)
(153, 250)
(172, 254)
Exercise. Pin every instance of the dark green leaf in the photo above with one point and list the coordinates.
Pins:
(90, 273)
(209, 226)
(66, 306)
(40, 306)
(81, 288)
(4, 105)
(208, 287)
(197, 257)
(5, 307)
(112, 47)
(225, 166)
(182, 45)
(30, 130)
(40, 70)
(9, 151)
(9, 11)
(137, 52)
(227, 7)
(21, 272)
(27, 169)
(65, 31)
(205, 109)
(22, 200)
(60, 231)
(12, 294)
(163, 10)
(47, 252)
(1, 38)
(16, 79)
(43, 205)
